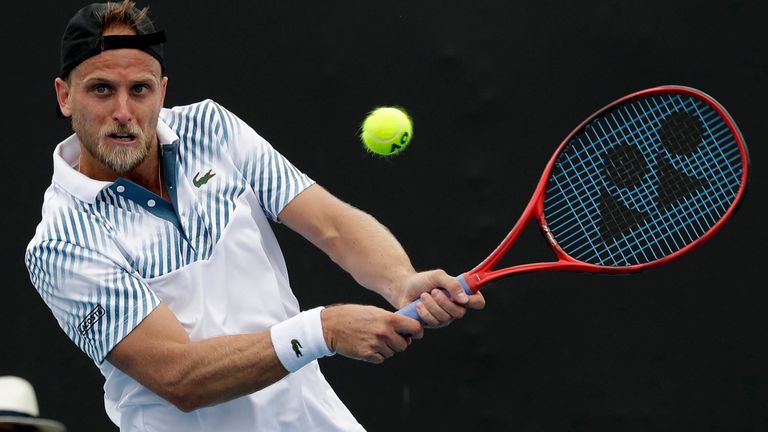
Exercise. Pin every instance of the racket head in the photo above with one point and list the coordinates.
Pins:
(643, 181)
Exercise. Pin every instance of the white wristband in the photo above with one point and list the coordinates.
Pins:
(299, 340)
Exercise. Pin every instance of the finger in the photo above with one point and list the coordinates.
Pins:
(425, 315)
(397, 343)
(454, 288)
(434, 309)
(476, 301)
(386, 351)
(407, 326)
(375, 358)
(451, 308)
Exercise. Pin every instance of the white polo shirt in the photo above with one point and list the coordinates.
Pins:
(107, 253)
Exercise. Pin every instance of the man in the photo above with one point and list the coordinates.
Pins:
(18, 408)
(156, 256)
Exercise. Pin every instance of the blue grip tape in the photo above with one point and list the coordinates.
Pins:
(410, 309)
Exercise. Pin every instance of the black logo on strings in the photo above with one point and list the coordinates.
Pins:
(625, 166)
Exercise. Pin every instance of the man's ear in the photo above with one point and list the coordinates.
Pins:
(164, 89)
(62, 96)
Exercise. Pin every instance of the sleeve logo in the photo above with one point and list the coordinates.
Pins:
(92, 318)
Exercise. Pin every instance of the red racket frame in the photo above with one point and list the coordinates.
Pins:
(484, 273)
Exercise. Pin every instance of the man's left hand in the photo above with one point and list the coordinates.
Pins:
(437, 308)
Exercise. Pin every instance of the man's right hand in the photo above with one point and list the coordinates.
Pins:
(367, 333)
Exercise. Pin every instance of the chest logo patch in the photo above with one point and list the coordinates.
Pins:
(200, 181)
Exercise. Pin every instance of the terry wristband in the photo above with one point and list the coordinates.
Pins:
(299, 340)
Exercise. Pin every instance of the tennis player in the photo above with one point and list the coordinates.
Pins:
(156, 256)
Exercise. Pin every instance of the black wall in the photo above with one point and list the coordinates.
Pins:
(493, 87)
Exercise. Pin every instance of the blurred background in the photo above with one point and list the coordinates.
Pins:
(493, 87)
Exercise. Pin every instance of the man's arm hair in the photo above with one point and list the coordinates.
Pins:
(159, 354)
(353, 239)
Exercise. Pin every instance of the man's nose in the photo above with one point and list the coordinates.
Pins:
(122, 110)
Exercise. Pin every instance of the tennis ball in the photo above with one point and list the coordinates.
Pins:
(386, 131)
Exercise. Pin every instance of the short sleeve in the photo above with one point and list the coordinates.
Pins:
(274, 179)
(96, 299)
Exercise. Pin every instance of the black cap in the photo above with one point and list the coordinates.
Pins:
(82, 38)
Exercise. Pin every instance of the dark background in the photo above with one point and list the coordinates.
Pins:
(493, 87)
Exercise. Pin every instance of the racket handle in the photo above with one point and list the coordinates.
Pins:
(409, 310)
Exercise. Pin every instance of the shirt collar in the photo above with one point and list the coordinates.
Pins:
(67, 155)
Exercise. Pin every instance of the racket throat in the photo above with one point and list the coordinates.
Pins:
(478, 280)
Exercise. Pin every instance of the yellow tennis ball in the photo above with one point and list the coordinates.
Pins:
(387, 131)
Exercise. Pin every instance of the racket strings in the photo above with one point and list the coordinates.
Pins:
(662, 180)
(664, 232)
(604, 131)
(675, 184)
(643, 181)
(681, 133)
(710, 207)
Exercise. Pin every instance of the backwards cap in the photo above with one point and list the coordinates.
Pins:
(83, 38)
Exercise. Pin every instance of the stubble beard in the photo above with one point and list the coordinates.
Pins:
(120, 159)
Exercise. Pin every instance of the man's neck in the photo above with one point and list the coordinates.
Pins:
(146, 174)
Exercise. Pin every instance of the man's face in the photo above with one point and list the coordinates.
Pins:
(114, 99)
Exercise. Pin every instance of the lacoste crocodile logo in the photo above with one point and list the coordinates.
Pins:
(202, 180)
(296, 345)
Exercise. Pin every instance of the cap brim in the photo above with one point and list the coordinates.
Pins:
(44, 425)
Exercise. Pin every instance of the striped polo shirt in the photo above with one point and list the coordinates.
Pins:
(107, 253)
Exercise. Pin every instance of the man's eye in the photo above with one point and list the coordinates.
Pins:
(140, 89)
(100, 89)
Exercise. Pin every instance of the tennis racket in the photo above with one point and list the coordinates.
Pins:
(641, 182)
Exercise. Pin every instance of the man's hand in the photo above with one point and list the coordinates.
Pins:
(366, 332)
(436, 308)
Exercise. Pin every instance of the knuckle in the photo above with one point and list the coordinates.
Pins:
(381, 332)
(444, 300)
(479, 303)
(421, 308)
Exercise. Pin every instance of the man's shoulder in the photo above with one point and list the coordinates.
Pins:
(57, 200)
(62, 217)
(205, 110)
(204, 124)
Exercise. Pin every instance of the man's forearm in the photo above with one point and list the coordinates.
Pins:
(368, 251)
(224, 368)
(191, 375)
